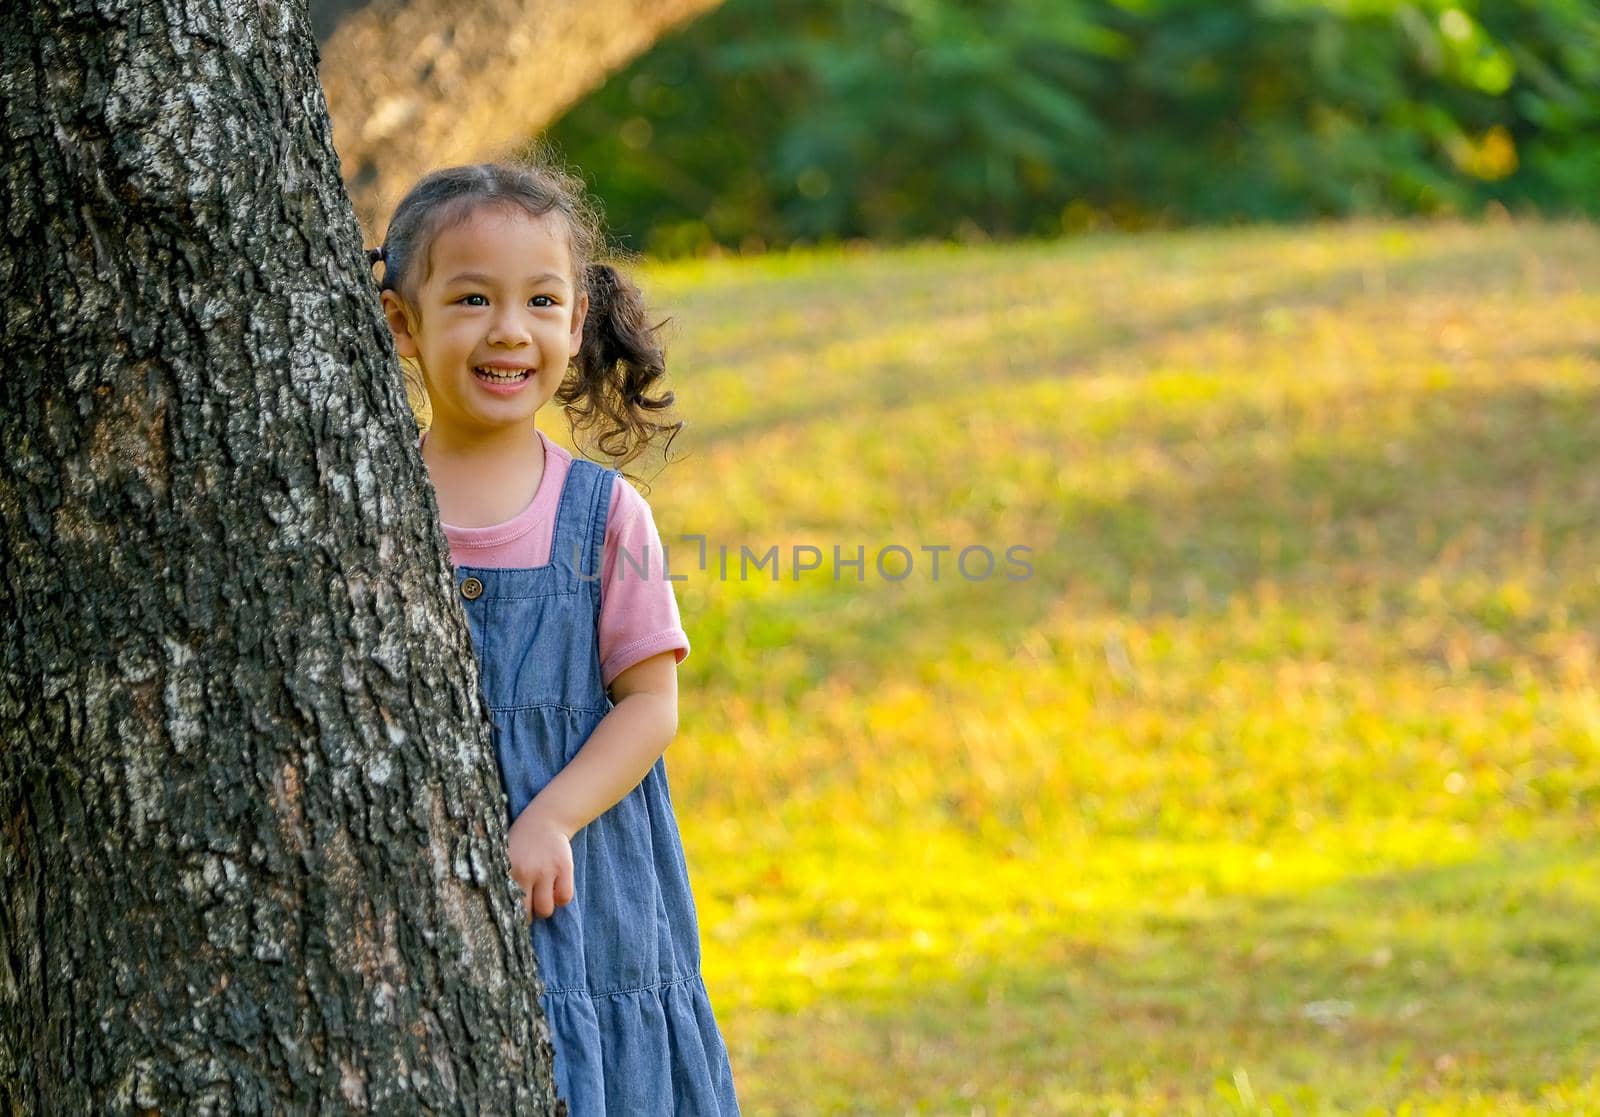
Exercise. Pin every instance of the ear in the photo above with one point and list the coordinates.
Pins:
(400, 323)
(580, 314)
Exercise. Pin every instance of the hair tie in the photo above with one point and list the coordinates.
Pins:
(376, 254)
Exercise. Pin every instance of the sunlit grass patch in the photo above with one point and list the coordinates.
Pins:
(1273, 787)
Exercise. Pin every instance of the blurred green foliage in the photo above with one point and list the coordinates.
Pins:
(771, 122)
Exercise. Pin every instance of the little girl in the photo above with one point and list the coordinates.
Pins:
(491, 285)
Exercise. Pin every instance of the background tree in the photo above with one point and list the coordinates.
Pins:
(774, 121)
(418, 84)
(253, 854)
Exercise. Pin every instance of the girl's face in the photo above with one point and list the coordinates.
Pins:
(496, 321)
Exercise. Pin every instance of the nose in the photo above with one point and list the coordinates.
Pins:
(509, 328)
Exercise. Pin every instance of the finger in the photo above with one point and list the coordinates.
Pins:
(543, 903)
(564, 888)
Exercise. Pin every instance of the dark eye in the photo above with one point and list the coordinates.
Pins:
(468, 300)
(542, 300)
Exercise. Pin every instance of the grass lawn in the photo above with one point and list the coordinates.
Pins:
(1273, 788)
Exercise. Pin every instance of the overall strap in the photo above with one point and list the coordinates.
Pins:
(578, 544)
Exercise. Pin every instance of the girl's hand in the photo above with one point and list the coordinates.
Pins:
(541, 862)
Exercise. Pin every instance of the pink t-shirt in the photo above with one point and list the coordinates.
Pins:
(638, 610)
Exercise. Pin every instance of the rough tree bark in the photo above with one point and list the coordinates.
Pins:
(253, 842)
(418, 84)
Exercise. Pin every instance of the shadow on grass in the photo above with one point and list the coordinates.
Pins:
(1115, 326)
(1485, 485)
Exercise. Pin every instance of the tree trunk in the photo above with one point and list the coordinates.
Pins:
(254, 844)
(419, 84)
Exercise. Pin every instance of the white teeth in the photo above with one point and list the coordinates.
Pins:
(502, 377)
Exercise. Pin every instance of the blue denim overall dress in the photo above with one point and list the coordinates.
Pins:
(628, 1010)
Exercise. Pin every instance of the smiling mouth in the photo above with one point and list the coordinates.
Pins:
(502, 375)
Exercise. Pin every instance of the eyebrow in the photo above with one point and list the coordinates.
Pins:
(533, 280)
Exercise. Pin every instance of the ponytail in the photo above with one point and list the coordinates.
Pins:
(620, 360)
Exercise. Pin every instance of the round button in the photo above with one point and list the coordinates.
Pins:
(471, 588)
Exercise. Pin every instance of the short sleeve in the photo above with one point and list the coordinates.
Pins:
(638, 609)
